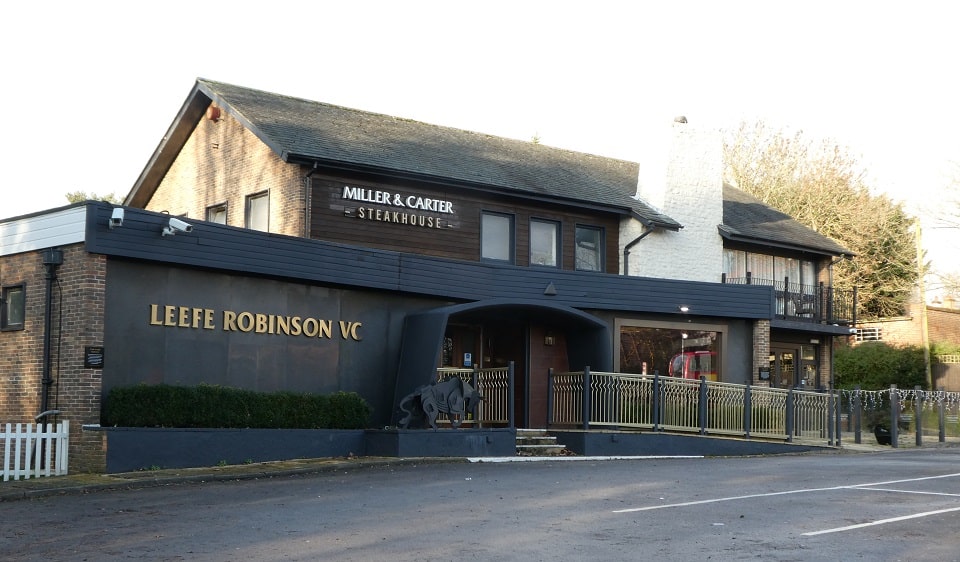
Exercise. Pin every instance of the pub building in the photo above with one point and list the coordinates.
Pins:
(275, 243)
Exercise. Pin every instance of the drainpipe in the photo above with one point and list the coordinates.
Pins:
(631, 244)
(52, 259)
(307, 201)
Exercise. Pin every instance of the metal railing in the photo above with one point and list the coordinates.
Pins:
(586, 399)
(810, 303)
(495, 387)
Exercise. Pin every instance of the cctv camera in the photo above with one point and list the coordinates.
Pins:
(176, 225)
(116, 219)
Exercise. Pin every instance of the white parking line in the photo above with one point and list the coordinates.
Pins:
(881, 522)
(865, 486)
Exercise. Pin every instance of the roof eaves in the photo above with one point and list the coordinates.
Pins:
(729, 234)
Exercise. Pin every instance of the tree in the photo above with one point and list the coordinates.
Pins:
(824, 188)
(78, 196)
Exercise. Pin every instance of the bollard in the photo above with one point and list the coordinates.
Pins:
(858, 412)
(917, 410)
(894, 417)
(943, 417)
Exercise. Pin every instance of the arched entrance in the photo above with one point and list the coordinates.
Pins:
(534, 336)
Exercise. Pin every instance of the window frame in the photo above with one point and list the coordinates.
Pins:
(557, 242)
(600, 250)
(213, 209)
(5, 324)
(248, 204)
(512, 236)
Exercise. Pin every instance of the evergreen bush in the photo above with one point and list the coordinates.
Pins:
(213, 406)
(877, 365)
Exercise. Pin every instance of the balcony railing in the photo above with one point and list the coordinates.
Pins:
(809, 303)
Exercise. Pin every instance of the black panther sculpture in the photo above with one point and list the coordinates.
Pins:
(453, 397)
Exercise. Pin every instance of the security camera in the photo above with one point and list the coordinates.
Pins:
(116, 219)
(175, 225)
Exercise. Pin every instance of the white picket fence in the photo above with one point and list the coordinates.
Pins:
(30, 451)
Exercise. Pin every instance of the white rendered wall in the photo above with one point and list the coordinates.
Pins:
(681, 175)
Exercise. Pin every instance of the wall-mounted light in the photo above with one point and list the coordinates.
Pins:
(116, 218)
(548, 339)
(550, 290)
(684, 308)
(175, 225)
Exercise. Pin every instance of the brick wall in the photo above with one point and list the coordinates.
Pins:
(223, 162)
(943, 326)
(682, 176)
(76, 322)
(761, 349)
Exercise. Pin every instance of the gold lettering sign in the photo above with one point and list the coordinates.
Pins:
(194, 318)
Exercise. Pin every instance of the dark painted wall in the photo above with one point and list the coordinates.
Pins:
(137, 351)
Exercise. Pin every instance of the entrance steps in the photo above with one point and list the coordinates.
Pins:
(536, 443)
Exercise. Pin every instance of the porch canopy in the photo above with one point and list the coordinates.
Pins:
(588, 337)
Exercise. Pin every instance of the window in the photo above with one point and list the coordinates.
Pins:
(761, 267)
(13, 307)
(217, 214)
(258, 212)
(589, 250)
(670, 349)
(496, 237)
(544, 242)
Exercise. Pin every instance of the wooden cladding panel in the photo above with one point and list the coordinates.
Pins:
(337, 219)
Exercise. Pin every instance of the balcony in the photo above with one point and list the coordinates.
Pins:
(807, 303)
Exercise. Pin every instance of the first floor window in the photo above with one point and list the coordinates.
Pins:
(496, 237)
(13, 309)
(589, 250)
(217, 214)
(544, 242)
(258, 212)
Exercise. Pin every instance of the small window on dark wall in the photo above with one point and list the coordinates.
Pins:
(589, 250)
(496, 237)
(258, 212)
(13, 308)
(217, 214)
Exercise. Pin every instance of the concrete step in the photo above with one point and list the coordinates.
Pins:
(536, 443)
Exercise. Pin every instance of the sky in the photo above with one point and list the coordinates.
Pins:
(90, 88)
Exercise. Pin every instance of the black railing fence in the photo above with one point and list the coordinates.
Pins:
(812, 303)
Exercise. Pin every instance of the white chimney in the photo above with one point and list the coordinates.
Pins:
(681, 175)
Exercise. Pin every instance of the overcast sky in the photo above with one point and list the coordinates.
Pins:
(91, 87)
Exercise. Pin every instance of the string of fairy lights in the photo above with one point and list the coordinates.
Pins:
(928, 399)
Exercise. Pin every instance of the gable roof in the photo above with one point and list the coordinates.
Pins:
(750, 220)
(313, 133)
(307, 132)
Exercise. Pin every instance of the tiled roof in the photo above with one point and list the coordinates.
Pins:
(747, 219)
(307, 131)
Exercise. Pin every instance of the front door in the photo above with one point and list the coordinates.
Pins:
(783, 367)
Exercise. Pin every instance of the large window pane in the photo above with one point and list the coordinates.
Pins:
(670, 351)
(496, 237)
(589, 251)
(543, 242)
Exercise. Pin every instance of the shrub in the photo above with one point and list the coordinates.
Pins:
(223, 407)
(876, 365)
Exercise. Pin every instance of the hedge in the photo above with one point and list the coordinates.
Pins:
(212, 406)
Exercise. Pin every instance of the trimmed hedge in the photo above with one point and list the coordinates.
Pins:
(877, 365)
(211, 406)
